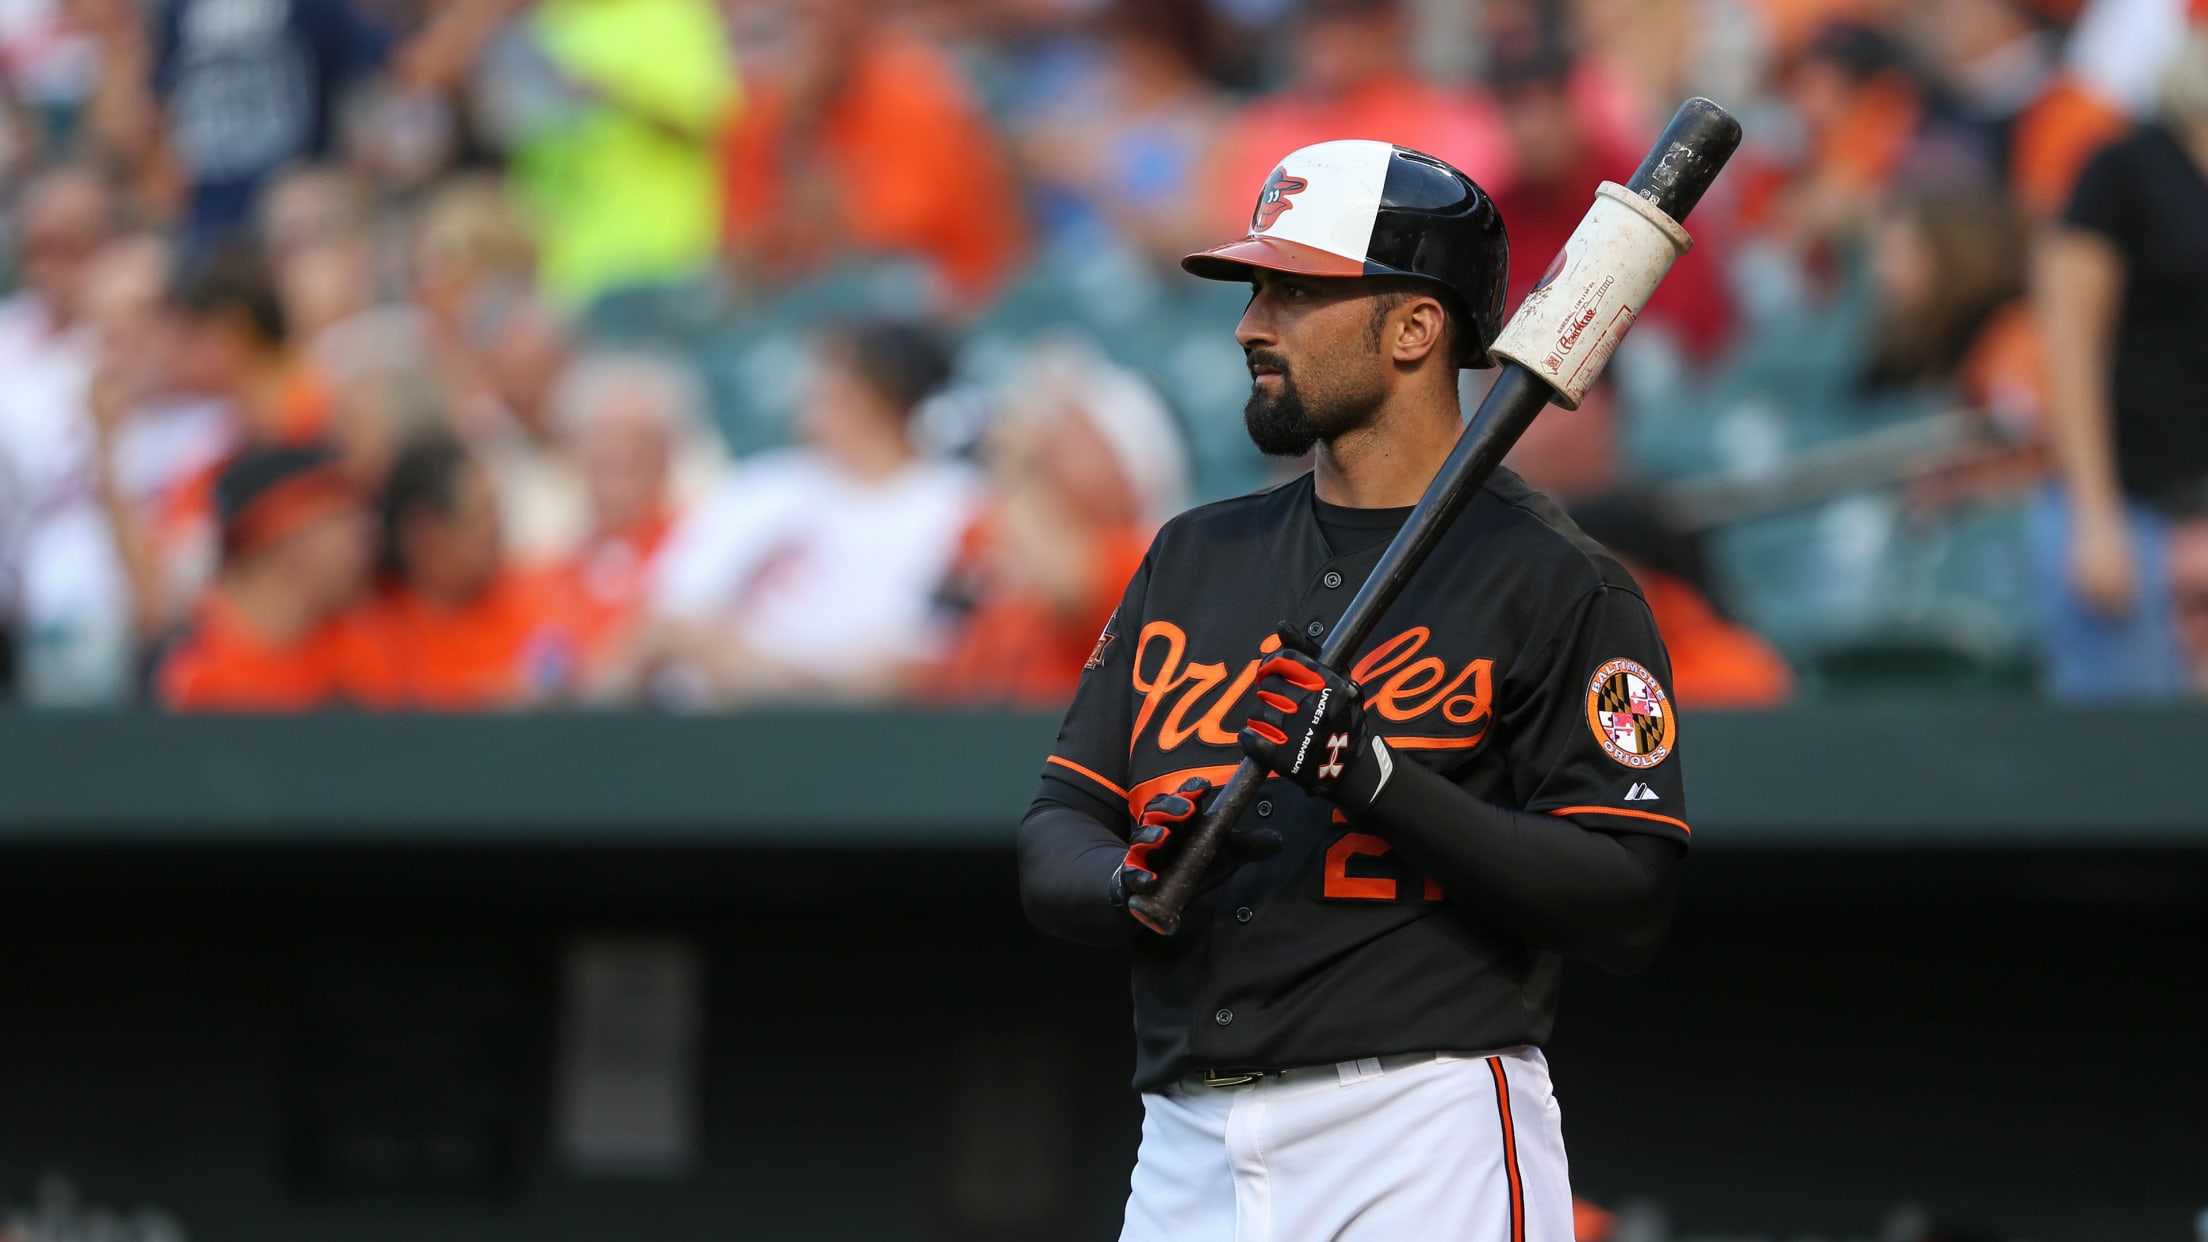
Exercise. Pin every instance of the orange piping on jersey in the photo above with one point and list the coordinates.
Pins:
(1436, 743)
(1141, 794)
(1680, 824)
(1510, 1151)
(1068, 763)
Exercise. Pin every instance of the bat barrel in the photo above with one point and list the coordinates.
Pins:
(1687, 157)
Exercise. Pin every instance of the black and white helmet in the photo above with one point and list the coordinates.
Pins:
(1362, 208)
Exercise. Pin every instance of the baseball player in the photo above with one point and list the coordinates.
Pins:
(1344, 1039)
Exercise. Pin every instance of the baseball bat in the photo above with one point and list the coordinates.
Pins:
(1552, 349)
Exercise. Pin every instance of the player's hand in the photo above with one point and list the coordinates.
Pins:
(1309, 724)
(1157, 840)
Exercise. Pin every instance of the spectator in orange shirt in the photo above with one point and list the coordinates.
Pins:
(467, 632)
(634, 427)
(273, 633)
(239, 346)
(856, 137)
(1715, 661)
(1351, 78)
(1083, 467)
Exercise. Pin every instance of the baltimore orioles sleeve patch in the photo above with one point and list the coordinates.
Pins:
(1630, 714)
(1103, 641)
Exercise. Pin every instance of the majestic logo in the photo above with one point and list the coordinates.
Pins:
(1640, 793)
(1273, 199)
(1335, 745)
(1630, 714)
(1184, 699)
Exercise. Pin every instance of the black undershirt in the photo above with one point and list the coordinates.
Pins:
(1348, 531)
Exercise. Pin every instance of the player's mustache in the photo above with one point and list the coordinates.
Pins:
(1267, 359)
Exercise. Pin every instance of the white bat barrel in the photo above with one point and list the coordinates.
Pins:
(1566, 329)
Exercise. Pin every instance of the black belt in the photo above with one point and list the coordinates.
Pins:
(1383, 1064)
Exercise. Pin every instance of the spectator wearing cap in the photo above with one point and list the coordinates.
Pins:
(1084, 464)
(466, 631)
(812, 573)
(1351, 77)
(275, 632)
(859, 139)
(633, 425)
(2119, 286)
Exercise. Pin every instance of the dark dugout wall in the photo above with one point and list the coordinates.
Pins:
(311, 982)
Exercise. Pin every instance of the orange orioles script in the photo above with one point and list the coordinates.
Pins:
(1187, 699)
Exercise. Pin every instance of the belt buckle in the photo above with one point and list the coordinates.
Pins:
(1230, 1078)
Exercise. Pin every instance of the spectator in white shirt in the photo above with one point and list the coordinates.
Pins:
(810, 574)
(66, 593)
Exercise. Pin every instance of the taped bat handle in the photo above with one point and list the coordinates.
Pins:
(1160, 909)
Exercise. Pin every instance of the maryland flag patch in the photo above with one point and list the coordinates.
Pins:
(1630, 714)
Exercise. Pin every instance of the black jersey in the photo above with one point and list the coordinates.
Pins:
(1521, 663)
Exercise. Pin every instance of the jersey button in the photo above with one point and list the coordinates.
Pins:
(1264, 809)
(1224, 1017)
(1244, 914)
(1315, 629)
(1333, 580)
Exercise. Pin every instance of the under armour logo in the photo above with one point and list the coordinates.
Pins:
(1640, 793)
(1335, 745)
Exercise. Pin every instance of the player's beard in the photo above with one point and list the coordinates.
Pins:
(1283, 423)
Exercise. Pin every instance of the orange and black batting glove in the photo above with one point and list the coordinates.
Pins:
(1309, 723)
(1156, 841)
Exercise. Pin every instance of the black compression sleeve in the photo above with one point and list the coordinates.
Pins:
(1067, 859)
(1601, 897)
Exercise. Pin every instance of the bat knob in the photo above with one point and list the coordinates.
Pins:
(1151, 915)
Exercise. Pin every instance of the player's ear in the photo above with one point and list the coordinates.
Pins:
(1421, 329)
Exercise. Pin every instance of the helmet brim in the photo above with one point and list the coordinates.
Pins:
(1234, 260)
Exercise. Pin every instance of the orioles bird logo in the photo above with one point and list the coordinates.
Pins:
(1273, 199)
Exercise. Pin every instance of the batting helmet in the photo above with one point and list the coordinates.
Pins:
(1360, 208)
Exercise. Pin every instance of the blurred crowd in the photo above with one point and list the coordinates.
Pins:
(488, 354)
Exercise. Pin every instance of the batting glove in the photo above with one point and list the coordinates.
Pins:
(1309, 724)
(1155, 841)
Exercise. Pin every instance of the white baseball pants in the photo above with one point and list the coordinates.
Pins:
(1463, 1147)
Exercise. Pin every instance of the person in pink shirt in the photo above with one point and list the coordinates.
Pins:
(1352, 76)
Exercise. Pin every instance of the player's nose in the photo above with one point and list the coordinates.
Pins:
(1255, 329)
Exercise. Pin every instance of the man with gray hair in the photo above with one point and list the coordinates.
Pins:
(634, 428)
